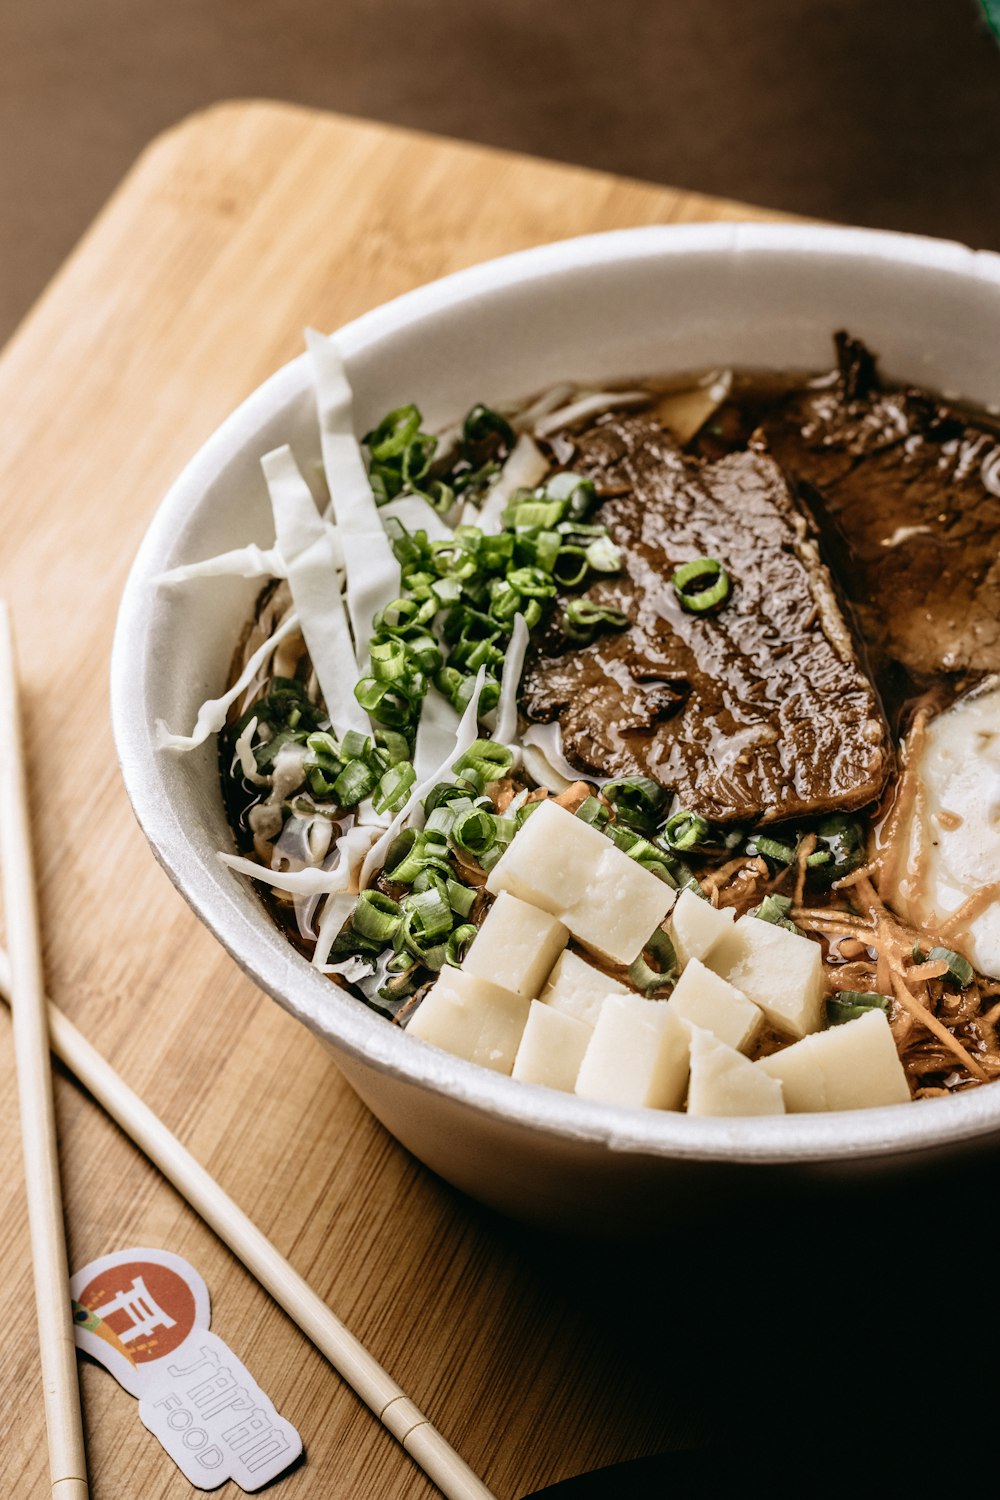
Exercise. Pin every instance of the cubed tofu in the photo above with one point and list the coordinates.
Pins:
(695, 925)
(516, 946)
(472, 1018)
(552, 1048)
(638, 1055)
(578, 989)
(801, 1075)
(706, 1000)
(776, 969)
(558, 862)
(724, 1082)
(852, 1066)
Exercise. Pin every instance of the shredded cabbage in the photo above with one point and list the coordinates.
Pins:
(242, 562)
(312, 880)
(243, 752)
(587, 406)
(304, 539)
(413, 512)
(373, 577)
(546, 739)
(212, 713)
(525, 467)
(465, 736)
(436, 730)
(351, 850)
(513, 665)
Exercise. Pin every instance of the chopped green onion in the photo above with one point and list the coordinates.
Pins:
(385, 701)
(354, 783)
(376, 917)
(775, 909)
(603, 556)
(355, 746)
(394, 787)
(531, 515)
(461, 898)
(440, 820)
(426, 915)
(958, 967)
(656, 963)
(701, 585)
(393, 744)
(580, 494)
(593, 811)
(636, 799)
(412, 852)
(459, 943)
(570, 568)
(684, 830)
(782, 854)
(532, 583)
(582, 620)
(849, 1005)
(491, 759)
(393, 434)
(474, 831)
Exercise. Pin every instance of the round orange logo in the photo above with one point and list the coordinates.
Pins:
(147, 1308)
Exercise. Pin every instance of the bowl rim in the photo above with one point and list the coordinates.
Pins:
(263, 952)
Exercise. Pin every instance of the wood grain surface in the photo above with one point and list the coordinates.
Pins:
(232, 232)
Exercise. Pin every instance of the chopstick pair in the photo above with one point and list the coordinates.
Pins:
(39, 1023)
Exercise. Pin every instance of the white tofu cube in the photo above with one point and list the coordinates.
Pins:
(516, 946)
(852, 1066)
(578, 989)
(552, 1048)
(706, 1000)
(695, 924)
(472, 1018)
(724, 1082)
(801, 1075)
(560, 863)
(638, 1055)
(776, 969)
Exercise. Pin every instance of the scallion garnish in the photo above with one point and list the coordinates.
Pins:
(775, 909)
(583, 620)
(636, 800)
(774, 849)
(459, 943)
(656, 964)
(376, 917)
(849, 1005)
(684, 830)
(958, 967)
(701, 584)
(592, 810)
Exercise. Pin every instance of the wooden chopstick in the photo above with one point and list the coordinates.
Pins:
(363, 1373)
(63, 1421)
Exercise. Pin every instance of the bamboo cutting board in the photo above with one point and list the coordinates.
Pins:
(234, 231)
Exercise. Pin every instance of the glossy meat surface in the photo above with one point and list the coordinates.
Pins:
(759, 712)
(909, 520)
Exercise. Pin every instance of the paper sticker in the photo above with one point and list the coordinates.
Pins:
(144, 1315)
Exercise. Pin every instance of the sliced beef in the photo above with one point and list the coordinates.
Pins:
(759, 712)
(909, 518)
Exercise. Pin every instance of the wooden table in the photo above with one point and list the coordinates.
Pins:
(232, 232)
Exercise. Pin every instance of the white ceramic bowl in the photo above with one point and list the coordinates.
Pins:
(635, 302)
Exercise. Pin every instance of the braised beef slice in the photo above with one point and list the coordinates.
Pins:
(759, 712)
(909, 525)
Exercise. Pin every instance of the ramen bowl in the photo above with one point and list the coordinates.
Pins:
(652, 301)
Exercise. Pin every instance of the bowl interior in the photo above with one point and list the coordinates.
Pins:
(609, 307)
